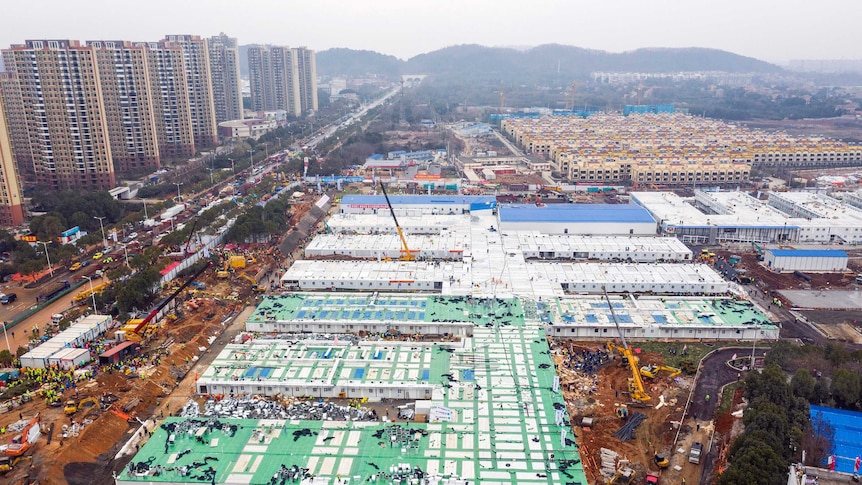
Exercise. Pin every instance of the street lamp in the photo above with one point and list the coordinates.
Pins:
(231, 165)
(126, 252)
(50, 268)
(7, 337)
(104, 241)
(179, 195)
(211, 178)
(92, 293)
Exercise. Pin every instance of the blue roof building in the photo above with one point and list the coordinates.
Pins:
(583, 219)
(428, 204)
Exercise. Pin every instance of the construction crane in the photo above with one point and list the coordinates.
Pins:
(135, 327)
(191, 234)
(502, 100)
(651, 371)
(570, 97)
(407, 255)
(636, 384)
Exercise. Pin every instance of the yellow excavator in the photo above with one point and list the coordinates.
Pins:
(406, 254)
(651, 371)
(636, 384)
(254, 286)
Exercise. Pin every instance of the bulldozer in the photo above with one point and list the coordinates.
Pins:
(624, 476)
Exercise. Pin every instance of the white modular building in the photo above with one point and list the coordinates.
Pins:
(809, 260)
(444, 246)
(417, 204)
(671, 279)
(70, 358)
(382, 223)
(582, 219)
(536, 245)
(78, 334)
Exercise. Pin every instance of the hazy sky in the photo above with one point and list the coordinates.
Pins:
(772, 30)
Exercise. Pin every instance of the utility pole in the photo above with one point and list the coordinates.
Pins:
(179, 195)
(51, 268)
(104, 241)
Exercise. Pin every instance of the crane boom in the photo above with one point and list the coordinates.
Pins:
(636, 383)
(143, 323)
(189, 240)
(407, 256)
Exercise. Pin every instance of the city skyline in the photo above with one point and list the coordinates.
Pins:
(772, 31)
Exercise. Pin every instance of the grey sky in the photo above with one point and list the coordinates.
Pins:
(772, 30)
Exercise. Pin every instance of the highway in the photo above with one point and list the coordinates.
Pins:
(329, 130)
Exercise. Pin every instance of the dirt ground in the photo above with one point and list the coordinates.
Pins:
(609, 387)
(168, 355)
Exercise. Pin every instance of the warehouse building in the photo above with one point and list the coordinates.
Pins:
(417, 204)
(809, 260)
(583, 219)
(382, 223)
(652, 317)
(444, 246)
(717, 217)
(362, 313)
(535, 245)
(512, 276)
(669, 279)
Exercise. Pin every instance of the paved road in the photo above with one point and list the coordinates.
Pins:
(714, 374)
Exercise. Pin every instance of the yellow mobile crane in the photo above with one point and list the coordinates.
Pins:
(407, 255)
(636, 384)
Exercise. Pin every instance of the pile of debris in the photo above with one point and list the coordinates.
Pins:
(191, 410)
(608, 463)
(327, 411)
(244, 408)
(627, 432)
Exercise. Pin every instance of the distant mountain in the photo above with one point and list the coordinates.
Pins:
(544, 62)
(357, 63)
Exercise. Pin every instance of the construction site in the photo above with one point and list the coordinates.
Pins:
(549, 357)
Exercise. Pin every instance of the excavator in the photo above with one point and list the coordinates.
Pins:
(406, 254)
(22, 443)
(651, 371)
(254, 286)
(135, 327)
(636, 384)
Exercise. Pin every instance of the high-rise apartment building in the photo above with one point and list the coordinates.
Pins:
(282, 78)
(200, 91)
(224, 68)
(64, 113)
(260, 78)
(171, 111)
(16, 123)
(11, 210)
(127, 97)
(307, 72)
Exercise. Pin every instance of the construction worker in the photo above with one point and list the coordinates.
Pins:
(707, 397)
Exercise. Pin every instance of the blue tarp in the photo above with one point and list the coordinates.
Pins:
(848, 435)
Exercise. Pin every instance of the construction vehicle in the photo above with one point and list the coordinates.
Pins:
(7, 463)
(224, 271)
(636, 385)
(71, 407)
(651, 371)
(406, 254)
(707, 256)
(83, 295)
(652, 478)
(624, 476)
(254, 286)
(661, 460)
(22, 443)
(759, 251)
(134, 327)
(695, 452)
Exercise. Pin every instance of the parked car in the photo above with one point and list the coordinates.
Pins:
(132, 236)
(8, 298)
(75, 266)
(98, 255)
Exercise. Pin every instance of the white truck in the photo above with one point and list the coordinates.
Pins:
(694, 454)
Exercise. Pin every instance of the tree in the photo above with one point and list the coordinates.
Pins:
(821, 393)
(754, 462)
(846, 387)
(818, 440)
(802, 384)
(6, 357)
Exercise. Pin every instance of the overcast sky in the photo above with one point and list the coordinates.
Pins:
(771, 30)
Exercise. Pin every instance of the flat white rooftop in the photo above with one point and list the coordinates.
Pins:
(534, 244)
(382, 223)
